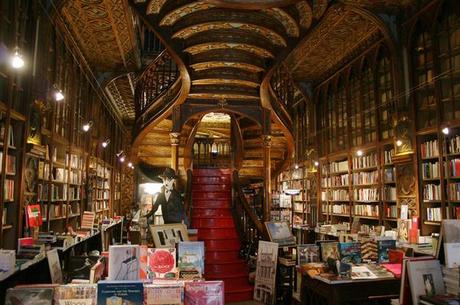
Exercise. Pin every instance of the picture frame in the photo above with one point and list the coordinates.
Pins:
(166, 236)
(280, 233)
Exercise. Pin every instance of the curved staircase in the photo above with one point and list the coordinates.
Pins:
(212, 216)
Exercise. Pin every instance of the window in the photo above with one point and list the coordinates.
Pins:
(385, 96)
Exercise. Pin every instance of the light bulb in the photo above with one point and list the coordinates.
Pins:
(130, 164)
(87, 126)
(445, 130)
(296, 166)
(359, 153)
(16, 60)
(399, 143)
(58, 96)
(105, 143)
(122, 159)
(316, 163)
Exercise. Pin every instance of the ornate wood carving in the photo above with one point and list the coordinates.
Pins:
(406, 186)
(200, 48)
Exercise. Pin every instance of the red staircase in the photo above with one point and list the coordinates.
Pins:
(212, 216)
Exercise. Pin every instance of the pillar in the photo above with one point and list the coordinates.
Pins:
(174, 136)
(267, 174)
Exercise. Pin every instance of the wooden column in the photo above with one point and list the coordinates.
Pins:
(174, 149)
(267, 174)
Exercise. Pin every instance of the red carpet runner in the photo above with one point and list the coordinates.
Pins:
(212, 216)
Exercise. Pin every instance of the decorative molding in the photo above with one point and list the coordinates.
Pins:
(200, 48)
(172, 17)
(226, 64)
(289, 23)
(272, 36)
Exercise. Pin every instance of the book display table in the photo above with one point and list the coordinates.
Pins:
(328, 292)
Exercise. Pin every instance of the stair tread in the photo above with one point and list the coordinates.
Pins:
(239, 288)
(224, 262)
(226, 276)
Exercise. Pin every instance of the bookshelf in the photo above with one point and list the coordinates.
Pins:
(99, 188)
(390, 212)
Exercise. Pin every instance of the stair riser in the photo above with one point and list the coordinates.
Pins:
(223, 196)
(211, 204)
(204, 234)
(229, 283)
(212, 223)
(219, 269)
(238, 296)
(206, 212)
(211, 188)
(222, 245)
(222, 256)
(211, 172)
(211, 180)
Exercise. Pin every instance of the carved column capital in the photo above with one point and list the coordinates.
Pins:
(174, 137)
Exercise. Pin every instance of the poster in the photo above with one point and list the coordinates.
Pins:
(264, 289)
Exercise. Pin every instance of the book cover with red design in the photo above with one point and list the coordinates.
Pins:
(34, 215)
(162, 263)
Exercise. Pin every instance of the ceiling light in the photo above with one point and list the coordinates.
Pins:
(58, 96)
(399, 143)
(359, 153)
(445, 130)
(87, 126)
(17, 62)
(316, 163)
(105, 143)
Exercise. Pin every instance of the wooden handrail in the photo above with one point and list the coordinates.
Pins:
(188, 194)
(258, 225)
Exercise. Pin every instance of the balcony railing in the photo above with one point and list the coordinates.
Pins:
(209, 152)
(156, 88)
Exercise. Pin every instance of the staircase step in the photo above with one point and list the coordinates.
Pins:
(212, 204)
(223, 233)
(212, 223)
(205, 212)
(223, 187)
(222, 245)
(212, 172)
(221, 256)
(231, 280)
(244, 292)
(227, 180)
(236, 266)
(212, 195)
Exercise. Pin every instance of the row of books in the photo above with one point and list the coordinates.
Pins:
(76, 162)
(10, 132)
(366, 161)
(429, 149)
(341, 209)
(336, 167)
(366, 194)
(430, 170)
(454, 145)
(388, 156)
(341, 180)
(282, 215)
(433, 214)
(366, 210)
(391, 211)
(120, 292)
(339, 195)
(389, 174)
(454, 191)
(365, 177)
(389, 193)
(431, 192)
(455, 167)
(8, 190)
(10, 164)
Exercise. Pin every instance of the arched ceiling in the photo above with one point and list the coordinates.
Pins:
(227, 45)
(105, 33)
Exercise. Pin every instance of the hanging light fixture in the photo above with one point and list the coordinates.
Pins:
(17, 62)
(87, 126)
(105, 143)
